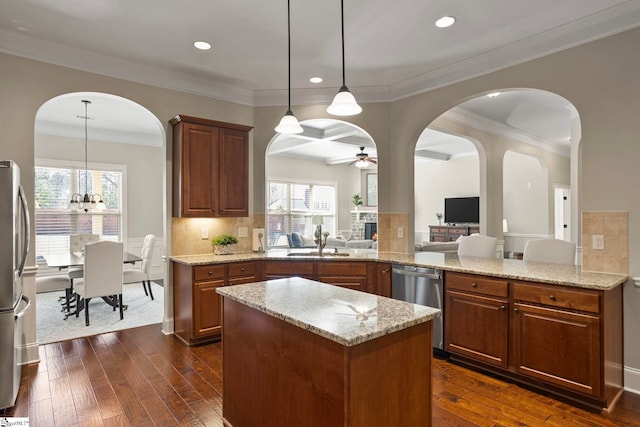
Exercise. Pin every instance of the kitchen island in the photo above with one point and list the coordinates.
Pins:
(302, 353)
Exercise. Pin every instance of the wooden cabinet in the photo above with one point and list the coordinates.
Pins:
(352, 275)
(476, 318)
(383, 280)
(557, 336)
(450, 233)
(564, 340)
(196, 304)
(282, 269)
(210, 168)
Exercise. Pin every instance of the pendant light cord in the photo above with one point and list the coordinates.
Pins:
(342, 22)
(86, 168)
(289, 50)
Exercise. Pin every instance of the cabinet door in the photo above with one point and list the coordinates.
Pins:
(233, 173)
(476, 327)
(383, 280)
(558, 347)
(199, 170)
(206, 308)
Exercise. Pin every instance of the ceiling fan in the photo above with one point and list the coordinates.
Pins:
(363, 159)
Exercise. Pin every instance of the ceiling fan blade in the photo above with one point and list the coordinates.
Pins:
(372, 160)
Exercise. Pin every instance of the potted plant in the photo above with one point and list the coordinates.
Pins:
(357, 200)
(224, 244)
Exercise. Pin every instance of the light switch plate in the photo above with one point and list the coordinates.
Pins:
(205, 234)
(400, 232)
(243, 232)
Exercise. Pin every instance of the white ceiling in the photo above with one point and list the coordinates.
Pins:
(391, 52)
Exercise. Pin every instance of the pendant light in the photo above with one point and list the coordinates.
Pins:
(89, 201)
(289, 124)
(344, 103)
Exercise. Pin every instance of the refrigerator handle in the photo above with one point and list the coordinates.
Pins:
(27, 232)
(24, 310)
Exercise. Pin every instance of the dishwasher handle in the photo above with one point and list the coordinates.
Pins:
(416, 273)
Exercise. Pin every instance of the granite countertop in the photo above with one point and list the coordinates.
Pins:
(342, 315)
(557, 274)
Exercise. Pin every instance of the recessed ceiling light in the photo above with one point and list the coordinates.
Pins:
(315, 80)
(493, 94)
(202, 45)
(445, 21)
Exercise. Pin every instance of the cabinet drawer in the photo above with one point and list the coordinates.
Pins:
(438, 229)
(207, 272)
(477, 284)
(556, 296)
(242, 269)
(288, 268)
(342, 268)
(458, 231)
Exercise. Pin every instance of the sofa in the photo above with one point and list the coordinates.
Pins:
(297, 240)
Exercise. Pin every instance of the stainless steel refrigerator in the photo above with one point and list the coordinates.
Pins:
(14, 245)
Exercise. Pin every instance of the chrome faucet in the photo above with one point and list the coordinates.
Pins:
(318, 240)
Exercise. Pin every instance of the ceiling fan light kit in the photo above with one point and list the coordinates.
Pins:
(289, 123)
(364, 160)
(344, 103)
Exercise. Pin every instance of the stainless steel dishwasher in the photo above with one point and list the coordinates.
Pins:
(421, 286)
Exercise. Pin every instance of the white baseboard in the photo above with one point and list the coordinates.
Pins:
(30, 353)
(632, 380)
(167, 326)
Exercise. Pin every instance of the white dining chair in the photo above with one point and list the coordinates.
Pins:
(76, 244)
(555, 251)
(135, 275)
(103, 266)
(477, 245)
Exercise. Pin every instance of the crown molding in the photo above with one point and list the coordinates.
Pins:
(611, 21)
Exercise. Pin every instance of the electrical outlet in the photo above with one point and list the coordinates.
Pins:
(598, 241)
(400, 232)
(205, 234)
(243, 232)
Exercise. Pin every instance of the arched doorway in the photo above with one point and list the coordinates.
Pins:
(532, 122)
(315, 173)
(122, 157)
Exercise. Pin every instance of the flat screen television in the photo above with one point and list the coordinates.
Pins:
(459, 210)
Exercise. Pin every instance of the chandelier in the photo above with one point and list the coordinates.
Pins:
(88, 201)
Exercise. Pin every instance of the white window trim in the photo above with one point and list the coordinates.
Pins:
(112, 167)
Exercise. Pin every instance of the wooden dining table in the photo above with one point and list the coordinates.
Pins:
(76, 259)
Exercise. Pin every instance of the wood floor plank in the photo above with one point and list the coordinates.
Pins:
(142, 377)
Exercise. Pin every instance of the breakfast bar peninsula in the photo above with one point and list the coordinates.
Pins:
(302, 353)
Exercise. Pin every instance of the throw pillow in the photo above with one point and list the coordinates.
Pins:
(296, 240)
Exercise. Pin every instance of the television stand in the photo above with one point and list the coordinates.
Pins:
(450, 233)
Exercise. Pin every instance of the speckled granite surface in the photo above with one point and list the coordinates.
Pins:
(557, 274)
(342, 315)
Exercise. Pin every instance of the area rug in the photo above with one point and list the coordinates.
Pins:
(141, 311)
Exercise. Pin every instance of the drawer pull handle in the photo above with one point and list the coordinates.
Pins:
(516, 309)
(473, 285)
(210, 273)
(552, 297)
(242, 269)
(502, 307)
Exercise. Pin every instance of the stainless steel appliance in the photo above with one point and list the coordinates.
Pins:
(421, 286)
(14, 245)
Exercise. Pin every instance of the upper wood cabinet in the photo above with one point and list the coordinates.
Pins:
(210, 168)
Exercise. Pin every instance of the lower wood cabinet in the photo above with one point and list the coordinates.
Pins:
(564, 340)
(196, 304)
(197, 316)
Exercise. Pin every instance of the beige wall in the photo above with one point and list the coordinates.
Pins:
(601, 79)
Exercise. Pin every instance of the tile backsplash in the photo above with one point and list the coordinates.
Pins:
(187, 233)
(613, 226)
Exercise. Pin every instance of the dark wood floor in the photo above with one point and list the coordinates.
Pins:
(140, 377)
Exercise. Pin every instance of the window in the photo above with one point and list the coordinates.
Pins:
(290, 207)
(54, 223)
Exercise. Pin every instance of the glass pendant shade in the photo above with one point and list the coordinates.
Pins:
(344, 104)
(289, 124)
